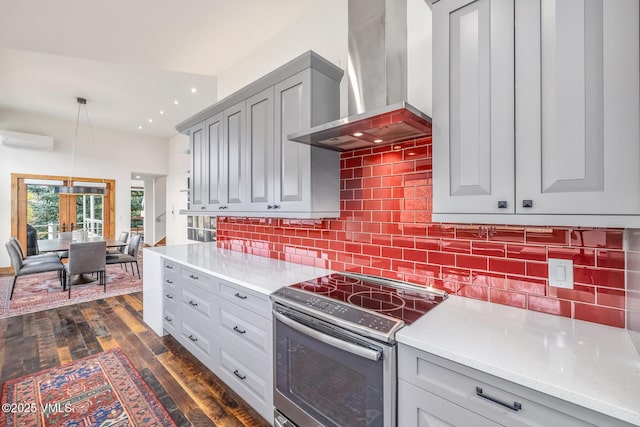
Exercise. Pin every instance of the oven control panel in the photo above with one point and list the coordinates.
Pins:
(336, 309)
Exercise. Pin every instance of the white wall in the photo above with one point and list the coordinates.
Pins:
(324, 31)
(114, 156)
(176, 186)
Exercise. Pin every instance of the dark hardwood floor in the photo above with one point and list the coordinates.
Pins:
(189, 391)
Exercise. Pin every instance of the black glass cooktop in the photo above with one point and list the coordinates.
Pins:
(391, 298)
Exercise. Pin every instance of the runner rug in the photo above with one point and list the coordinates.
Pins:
(100, 390)
(38, 292)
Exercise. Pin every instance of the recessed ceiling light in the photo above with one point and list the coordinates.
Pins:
(150, 120)
(137, 176)
(175, 102)
(161, 111)
(140, 127)
(194, 90)
(377, 141)
(357, 134)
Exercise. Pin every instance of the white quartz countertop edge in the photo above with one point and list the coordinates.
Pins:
(253, 272)
(620, 398)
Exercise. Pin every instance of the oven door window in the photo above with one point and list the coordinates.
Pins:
(335, 386)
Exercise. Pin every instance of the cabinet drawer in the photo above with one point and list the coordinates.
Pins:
(253, 383)
(192, 337)
(171, 267)
(204, 281)
(417, 407)
(171, 294)
(169, 319)
(194, 300)
(252, 301)
(170, 280)
(492, 397)
(246, 330)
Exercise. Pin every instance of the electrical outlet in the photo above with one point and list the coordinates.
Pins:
(561, 273)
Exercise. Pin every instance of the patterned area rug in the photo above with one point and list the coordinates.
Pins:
(38, 292)
(100, 390)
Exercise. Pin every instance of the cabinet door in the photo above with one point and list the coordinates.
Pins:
(199, 166)
(234, 137)
(216, 174)
(577, 85)
(473, 106)
(292, 159)
(420, 408)
(260, 146)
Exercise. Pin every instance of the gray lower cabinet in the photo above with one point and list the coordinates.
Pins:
(242, 162)
(226, 326)
(433, 391)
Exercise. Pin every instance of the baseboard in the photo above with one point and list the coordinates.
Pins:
(6, 271)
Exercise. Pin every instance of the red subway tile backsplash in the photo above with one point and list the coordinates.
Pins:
(385, 229)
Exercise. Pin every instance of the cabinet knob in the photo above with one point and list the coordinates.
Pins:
(502, 204)
(276, 206)
(527, 203)
(269, 206)
(203, 207)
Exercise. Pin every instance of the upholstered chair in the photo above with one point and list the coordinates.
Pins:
(22, 269)
(86, 257)
(131, 257)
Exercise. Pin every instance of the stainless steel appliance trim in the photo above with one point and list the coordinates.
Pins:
(366, 332)
(397, 284)
(329, 340)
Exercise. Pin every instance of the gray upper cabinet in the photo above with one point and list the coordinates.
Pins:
(536, 112)
(199, 167)
(243, 164)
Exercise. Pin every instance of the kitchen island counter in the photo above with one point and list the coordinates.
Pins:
(590, 365)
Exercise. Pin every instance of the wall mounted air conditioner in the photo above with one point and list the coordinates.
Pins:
(26, 140)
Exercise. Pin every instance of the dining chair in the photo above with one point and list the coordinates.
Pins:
(86, 257)
(131, 257)
(22, 269)
(122, 238)
(64, 235)
(31, 258)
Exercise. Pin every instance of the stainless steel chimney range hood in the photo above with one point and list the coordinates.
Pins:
(379, 113)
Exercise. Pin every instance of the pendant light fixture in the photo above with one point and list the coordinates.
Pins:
(80, 190)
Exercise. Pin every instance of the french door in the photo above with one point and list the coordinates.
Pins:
(38, 210)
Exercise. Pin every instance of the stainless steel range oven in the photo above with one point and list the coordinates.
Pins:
(335, 349)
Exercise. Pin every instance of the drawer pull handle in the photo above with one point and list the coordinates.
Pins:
(239, 375)
(515, 407)
(240, 331)
(240, 296)
(193, 276)
(168, 319)
(169, 281)
(527, 203)
(192, 338)
(193, 304)
(170, 267)
(169, 296)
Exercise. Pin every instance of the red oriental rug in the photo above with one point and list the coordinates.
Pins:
(39, 292)
(100, 390)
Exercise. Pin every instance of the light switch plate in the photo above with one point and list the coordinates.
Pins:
(561, 273)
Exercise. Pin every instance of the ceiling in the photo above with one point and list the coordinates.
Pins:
(130, 59)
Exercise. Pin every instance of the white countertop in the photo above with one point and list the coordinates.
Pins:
(591, 365)
(261, 274)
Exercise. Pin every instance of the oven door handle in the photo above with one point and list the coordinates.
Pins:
(356, 349)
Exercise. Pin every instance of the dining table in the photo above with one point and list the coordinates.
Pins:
(61, 245)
